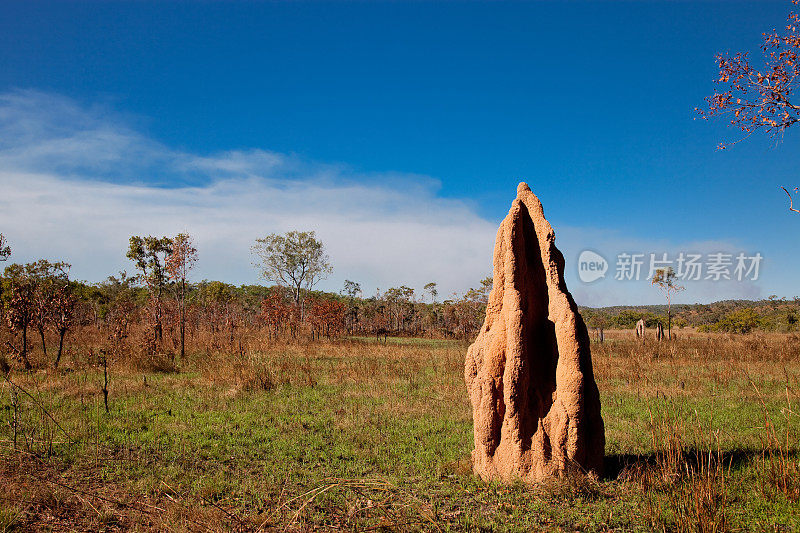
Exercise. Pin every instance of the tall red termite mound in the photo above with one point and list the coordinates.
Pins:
(535, 404)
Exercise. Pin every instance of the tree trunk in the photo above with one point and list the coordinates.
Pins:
(105, 382)
(61, 333)
(299, 303)
(158, 329)
(24, 352)
(41, 335)
(669, 320)
(183, 319)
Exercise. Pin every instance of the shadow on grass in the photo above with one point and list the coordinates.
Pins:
(615, 464)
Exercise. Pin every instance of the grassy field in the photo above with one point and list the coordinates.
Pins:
(702, 435)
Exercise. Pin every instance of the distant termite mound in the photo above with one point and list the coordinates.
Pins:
(640, 329)
(535, 404)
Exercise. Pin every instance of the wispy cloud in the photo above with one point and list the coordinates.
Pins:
(69, 192)
(77, 181)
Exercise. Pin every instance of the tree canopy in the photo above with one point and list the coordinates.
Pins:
(296, 260)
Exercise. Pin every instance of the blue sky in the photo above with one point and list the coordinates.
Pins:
(431, 111)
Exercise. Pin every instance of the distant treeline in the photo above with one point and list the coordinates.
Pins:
(43, 311)
(161, 312)
(732, 316)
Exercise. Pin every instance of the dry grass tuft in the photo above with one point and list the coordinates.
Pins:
(779, 463)
(686, 486)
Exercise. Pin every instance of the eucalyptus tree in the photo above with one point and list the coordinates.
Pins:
(150, 255)
(63, 314)
(665, 280)
(29, 293)
(178, 264)
(49, 280)
(296, 259)
(352, 290)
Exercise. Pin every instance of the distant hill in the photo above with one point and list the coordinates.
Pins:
(773, 314)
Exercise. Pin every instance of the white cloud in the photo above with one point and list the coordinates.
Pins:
(71, 189)
(380, 229)
(88, 223)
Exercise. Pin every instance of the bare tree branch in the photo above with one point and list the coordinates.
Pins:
(791, 201)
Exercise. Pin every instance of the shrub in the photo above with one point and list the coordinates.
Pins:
(740, 321)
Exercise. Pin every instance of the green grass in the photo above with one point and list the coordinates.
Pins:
(411, 341)
(381, 438)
